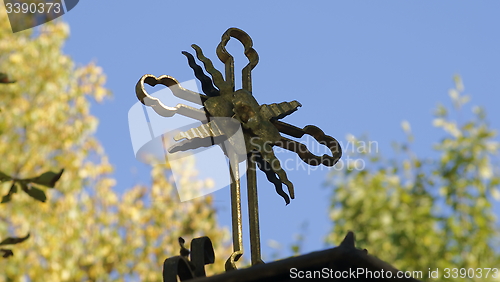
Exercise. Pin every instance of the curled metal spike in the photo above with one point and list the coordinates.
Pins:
(271, 176)
(206, 82)
(202, 253)
(217, 78)
(184, 251)
(267, 154)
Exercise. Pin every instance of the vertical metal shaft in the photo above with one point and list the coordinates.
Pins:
(236, 217)
(253, 211)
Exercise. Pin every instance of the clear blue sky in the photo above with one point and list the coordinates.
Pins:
(356, 66)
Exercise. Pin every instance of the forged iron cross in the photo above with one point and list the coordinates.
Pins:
(224, 111)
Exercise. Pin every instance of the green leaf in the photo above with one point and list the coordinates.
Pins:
(8, 197)
(14, 240)
(34, 192)
(48, 178)
(5, 79)
(4, 177)
(6, 253)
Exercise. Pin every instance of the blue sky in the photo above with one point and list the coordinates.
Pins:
(358, 67)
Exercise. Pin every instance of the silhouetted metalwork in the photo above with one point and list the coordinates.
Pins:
(345, 262)
(189, 264)
(261, 129)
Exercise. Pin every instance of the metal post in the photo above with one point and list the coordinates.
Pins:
(253, 211)
(236, 217)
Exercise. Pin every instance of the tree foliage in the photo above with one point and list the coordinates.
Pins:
(420, 213)
(27, 185)
(85, 230)
(47, 179)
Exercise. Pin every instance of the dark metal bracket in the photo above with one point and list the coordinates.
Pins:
(201, 254)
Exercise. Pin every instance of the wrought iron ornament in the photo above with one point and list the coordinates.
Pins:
(261, 130)
(191, 263)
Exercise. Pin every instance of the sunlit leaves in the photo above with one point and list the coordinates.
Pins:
(421, 213)
(495, 193)
(85, 230)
